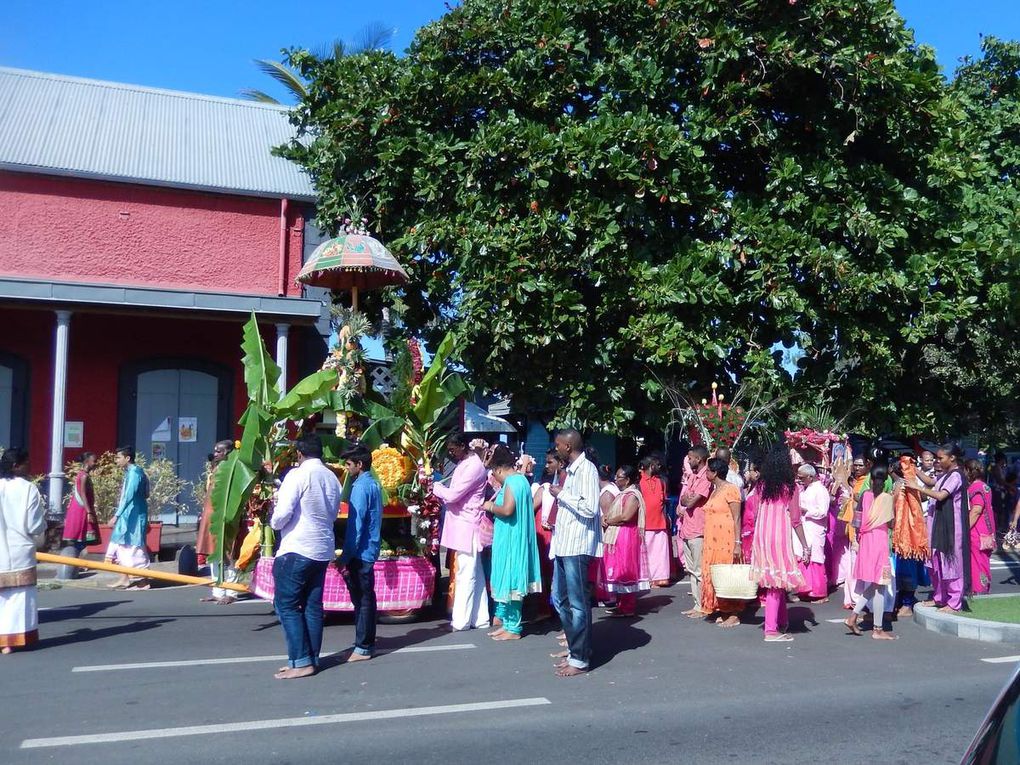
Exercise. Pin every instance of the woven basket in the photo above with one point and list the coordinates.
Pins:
(733, 581)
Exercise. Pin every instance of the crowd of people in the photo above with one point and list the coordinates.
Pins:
(870, 529)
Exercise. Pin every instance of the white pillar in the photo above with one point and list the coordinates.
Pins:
(56, 491)
(282, 330)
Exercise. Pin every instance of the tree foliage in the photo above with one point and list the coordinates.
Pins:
(607, 197)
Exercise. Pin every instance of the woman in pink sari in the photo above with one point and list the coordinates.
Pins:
(773, 563)
(751, 477)
(873, 567)
(982, 529)
(81, 525)
(624, 562)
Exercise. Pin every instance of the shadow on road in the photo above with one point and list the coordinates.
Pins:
(78, 611)
(800, 617)
(86, 635)
(611, 637)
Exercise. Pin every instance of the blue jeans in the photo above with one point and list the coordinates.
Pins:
(359, 576)
(298, 603)
(572, 600)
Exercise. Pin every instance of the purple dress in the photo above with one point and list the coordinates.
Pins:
(950, 567)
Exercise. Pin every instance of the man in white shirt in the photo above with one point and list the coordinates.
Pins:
(306, 507)
(814, 507)
(576, 540)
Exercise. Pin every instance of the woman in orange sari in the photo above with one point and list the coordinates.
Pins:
(722, 541)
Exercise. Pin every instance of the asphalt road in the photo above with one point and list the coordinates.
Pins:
(664, 689)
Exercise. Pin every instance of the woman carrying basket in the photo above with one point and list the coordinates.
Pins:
(722, 542)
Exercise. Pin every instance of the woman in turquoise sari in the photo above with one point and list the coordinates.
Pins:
(515, 564)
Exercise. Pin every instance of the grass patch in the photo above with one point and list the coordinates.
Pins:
(995, 609)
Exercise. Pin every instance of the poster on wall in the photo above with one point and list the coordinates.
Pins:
(187, 430)
(162, 432)
(74, 434)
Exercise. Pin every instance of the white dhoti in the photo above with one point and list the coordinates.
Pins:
(470, 597)
(127, 555)
(19, 617)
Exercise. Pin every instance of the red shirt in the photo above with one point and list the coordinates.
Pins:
(654, 493)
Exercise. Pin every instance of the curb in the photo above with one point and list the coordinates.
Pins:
(965, 627)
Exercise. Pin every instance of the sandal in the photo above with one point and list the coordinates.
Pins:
(852, 627)
(780, 637)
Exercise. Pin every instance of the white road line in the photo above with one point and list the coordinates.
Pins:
(252, 659)
(286, 722)
(1002, 660)
(836, 621)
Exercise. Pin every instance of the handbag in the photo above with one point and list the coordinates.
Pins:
(733, 581)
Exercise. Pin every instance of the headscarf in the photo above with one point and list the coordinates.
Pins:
(910, 534)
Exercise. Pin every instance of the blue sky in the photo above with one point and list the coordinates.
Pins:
(208, 46)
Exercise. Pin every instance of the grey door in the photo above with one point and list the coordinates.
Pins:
(6, 405)
(168, 398)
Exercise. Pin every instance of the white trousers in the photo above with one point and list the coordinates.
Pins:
(470, 600)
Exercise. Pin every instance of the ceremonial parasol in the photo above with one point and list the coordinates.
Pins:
(352, 262)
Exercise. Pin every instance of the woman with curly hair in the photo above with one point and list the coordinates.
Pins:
(773, 563)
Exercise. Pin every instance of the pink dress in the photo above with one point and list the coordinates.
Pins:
(981, 560)
(625, 561)
(872, 564)
(747, 523)
(773, 563)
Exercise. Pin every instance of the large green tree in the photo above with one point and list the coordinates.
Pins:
(609, 196)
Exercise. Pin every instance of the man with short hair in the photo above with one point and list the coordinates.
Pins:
(694, 492)
(306, 507)
(130, 520)
(576, 540)
(361, 548)
(462, 533)
(814, 508)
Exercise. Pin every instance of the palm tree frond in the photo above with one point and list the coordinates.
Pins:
(258, 95)
(375, 36)
(284, 75)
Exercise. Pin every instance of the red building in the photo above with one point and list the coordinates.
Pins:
(138, 230)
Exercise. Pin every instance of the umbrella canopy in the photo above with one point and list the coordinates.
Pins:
(352, 262)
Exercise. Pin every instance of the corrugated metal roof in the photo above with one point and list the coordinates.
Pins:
(90, 128)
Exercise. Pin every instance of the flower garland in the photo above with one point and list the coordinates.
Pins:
(425, 512)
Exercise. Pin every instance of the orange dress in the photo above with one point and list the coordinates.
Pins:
(720, 533)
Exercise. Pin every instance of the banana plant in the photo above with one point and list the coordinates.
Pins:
(432, 414)
(249, 472)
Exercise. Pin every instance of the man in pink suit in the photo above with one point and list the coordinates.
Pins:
(464, 532)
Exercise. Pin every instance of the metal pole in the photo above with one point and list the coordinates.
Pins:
(56, 475)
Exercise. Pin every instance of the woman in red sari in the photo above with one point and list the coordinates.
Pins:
(81, 525)
(982, 529)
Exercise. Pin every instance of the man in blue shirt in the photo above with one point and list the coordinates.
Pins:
(361, 548)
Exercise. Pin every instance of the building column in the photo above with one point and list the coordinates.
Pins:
(56, 476)
(282, 331)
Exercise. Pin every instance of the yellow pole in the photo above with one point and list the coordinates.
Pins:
(139, 572)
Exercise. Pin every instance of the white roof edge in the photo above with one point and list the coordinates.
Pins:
(85, 175)
(142, 88)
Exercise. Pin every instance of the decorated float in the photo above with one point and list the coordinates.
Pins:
(406, 430)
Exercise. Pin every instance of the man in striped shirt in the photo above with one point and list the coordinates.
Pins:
(576, 540)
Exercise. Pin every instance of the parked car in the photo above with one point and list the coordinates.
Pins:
(998, 739)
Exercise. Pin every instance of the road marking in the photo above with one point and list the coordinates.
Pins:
(1002, 660)
(837, 621)
(286, 722)
(252, 659)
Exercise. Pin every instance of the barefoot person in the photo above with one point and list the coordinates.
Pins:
(691, 520)
(205, 544)
(81, 525)
(21, 518)
(130, 521)
(873, 569)
(576, 541)
(305, 509)
(722, 541)
(515, 566)
(361, 548)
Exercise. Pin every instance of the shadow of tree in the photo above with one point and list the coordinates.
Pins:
(87, 634)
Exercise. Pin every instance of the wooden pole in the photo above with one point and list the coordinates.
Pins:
(354, 298)
(138, 572)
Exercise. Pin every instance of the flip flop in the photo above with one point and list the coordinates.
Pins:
(853, 628)
(782, 637)
(560, 655)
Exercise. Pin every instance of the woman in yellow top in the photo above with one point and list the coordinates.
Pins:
(722, 542)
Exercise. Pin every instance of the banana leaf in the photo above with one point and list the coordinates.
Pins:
(310, 395)
(381, 431)
(261, 374)
(233, 482)
(256, 423)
